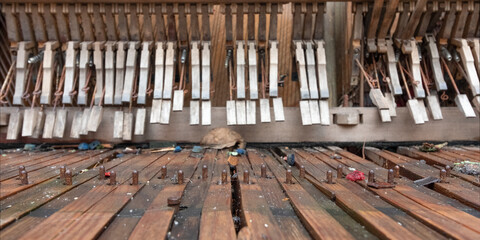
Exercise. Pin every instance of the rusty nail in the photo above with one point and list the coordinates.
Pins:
(339, 171)
(246, 177)
(62, 172)
(224, 176)
(396, 170)
(24, 177)
(391, 176)
(20, 169)
(289, 176)
(329, 177)
(204, 172)
(447, 169)
(443, 175)
(263, 169)
(113, 178)
(135, 177)
(101, 173)
(371, 176)
(163, 172)
(172, 201)
(180, 176)
(68, 177)
(302, 172)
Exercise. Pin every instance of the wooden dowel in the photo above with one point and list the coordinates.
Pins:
(404, 81)
(450, 76)
(364, 73)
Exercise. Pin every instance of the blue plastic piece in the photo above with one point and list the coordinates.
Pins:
(120, 155)
(241, 151)
(29, 147)
(177, 149)
(197, 149)
(93, 145)
(83, 146)
(291, 159)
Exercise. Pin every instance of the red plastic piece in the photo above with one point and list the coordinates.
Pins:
(107, 174)
(356, 176)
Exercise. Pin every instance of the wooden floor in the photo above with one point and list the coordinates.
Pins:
(260, 208)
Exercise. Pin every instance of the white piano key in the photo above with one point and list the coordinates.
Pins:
(127, 126)
(77, 124)
(305, 113)
(273, 76)
(194, 112)
(322, 70)
(206, 71)
(21, 71)
(96, 115)
(109, 72)
(314, 111)
(231, 113)
(240, 112)
(240, 72)
(165, 113)
(169, 71)
(156, 111)
(49, 124)
(415, 68)
(119, 72)
(251, 112)
(130, 66)
(302, 71)
(48, 71)
(415, 113)
(265, 110)
(252, 70)
(140, 121)
(469, 66)
(196, 77)
(464, 105)
(423, 109)
(178, 100)
(324, 112)
(60, 123)
(278, 109)
(82, 77)
(85, 118)
(394, 84)
(118, 125)
(206, 113)
(29, 121)
(98, 61)
(14, 125)
(70, 59)
(311, 71)
(39, 123)
(159, 70)
(144, 77)
(435, 63)
(434, 106)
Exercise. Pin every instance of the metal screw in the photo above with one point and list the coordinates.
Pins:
(340, 171)
(62, 172)
(446, 54)
(172, 201)
(204, 172)
(329, 177)
(302, 172)
(180, 176)
(448, 170)
(163, 172)
(443, 175)
(263, 170)
(24, 177)
(289, 176)
(68, 177)
(101, 173)
(20, 169)
(391, 176)
(224, 176)
(396, 170)
(113, 178)
(135, 177)
(246, 177)
(371, 176)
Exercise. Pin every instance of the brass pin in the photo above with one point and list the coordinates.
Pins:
(204, 172)
(68, 177)
(163, 172)
(371, 176)
(263, 170)
(224, 176)
(134, 177)
(448, 170)
(302, 172)
(101, 173)
(172, 201)
(180, 176)
(246, 177)
(340, 171)
(62, 172)
(20, 169)
(24, 177)
(396, 170)
(289, 176)
(391, 176)
(443, 175)
(329, 177)
(113, 178)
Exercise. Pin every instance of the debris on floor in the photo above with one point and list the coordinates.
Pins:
(467, 167)
(430, 147)
(356, 176)
(220, 138)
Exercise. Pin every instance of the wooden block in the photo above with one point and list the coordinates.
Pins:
(76, 125)
(314, 111)
(412, 105)
(302, 71)
(423, 109)
(140, 121)
(4, 119)
(324, 112)
(144, 77)
(273, 74)
(205, 71)
(434, 106)
(252, 70)
(464, 105)
(178, 101)
(322, 70)
(14, 125)
(206, 113)
(29, 121)
(194, 112)
(195, 62)
(156, 111)
(95, 119)
(240, 112)
(265, 110)
(159, 70)
(109, 73)
(165, 113)
(118, 125)
(169, 71)
(390, 99)
(49, 124)
(385, 115)
(240, 71)
(70, 59)
(251, 112)
(305, 113)
(85, 118)
(60, 123)
(119, 72)
(40, 122)
(127, 126)
(231, 113)
(311, 71)
(348, 119)
(278, 109)
(378, 99)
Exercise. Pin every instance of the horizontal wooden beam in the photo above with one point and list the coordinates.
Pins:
(453, 127)
(189, 1)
